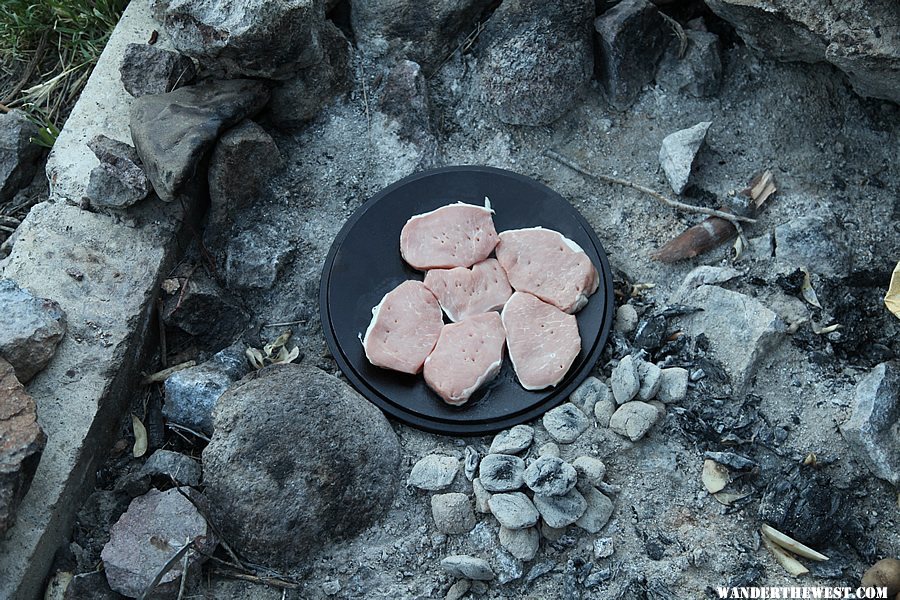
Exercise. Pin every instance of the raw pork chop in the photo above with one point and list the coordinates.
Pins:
(465, 292)
(543, 341)
(457, 235)
(404, 329)
(547, 264)
(468, 355)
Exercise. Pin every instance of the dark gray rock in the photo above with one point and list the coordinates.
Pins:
(625, 380)
(255, 256)
(677, 154)
(243, 161)
(205, 311)
(599, 510)
(631, 38)
(119, 181)
(173, 465)
(561, 511)
(469, 567)
(298, 460)
(30, 330)
(271, 39)
(425, 32)
(148, 69)
(565, 423)
(501, 472)
(507, 567)
(521, 543)
(153, 528)
(433, 472)
(698, 72)
(859, 37)
(815, 242)
(537, 58)
(634, 419)
(452, 513)
(403, 108)
(297, 100)
(172, 132)
(550, 476)
(18, 156)
(514, 510)
(21, 443)
(512, 441)
(873, 429)
(90, 586)
(192, 393)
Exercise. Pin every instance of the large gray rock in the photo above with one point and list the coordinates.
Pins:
(149, 69)
(243, 161)
(697, 73)
(677, 153)
(298, 100)
(403, 107)
(452, 513)
(741, 330)
(173, 131)
(425, 32)
(21, 443)
(599, 510)
(30, 329)
(514, 510)
(253, 38)
(873, 429)
(469, 567)
(631, 38)
(859, 37)
(536, 60)
(298, 460)
(814, 241)
(119, 181)
(153, 528)
(18, 156)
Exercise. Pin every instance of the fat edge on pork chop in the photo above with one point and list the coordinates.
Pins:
(456, 235)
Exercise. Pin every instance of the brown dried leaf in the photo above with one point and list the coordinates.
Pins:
(140, 437)
(715, 476)
(760, 189)
(806, 288)
(892, 298)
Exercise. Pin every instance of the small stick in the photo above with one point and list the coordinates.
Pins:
(285, 324)
(163, 351)
(678, 30)
(366, 103)
(175, 427)
(212, 526)
(735, 220)
(161, 376)
(184, 571)
(165, 569)
(279, 583)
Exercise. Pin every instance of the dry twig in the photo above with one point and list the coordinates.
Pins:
(173, 560)
(161, 376)
(678, 30)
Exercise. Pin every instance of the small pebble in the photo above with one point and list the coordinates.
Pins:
(603, 548)
(673, 385)
(565, 423)
(560, 511)
(513, 511)
(626, 319)
(650, 376)
(603, 411)
(469, 567)
(471, 462)
(634, 419)
(625, 381)
(597, 577)
(452, 513)
(481, 496)
(507, 567)
(521, 543)
(331, 587)
(549, 449)
(512, 441)
(550, 476)
(591, 471)
(434, 472)
(589, 393)
(599, 510)
(458, 590)
(501, 472)
(541, 568)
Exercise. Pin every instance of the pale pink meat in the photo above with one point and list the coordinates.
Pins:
(465, 292)
(548, 265)
(468, 354)
(404, 329)
(456, 235)
(543, 341)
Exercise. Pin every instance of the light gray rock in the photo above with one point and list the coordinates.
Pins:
(634, 420)
(550, 476)
(191, 394)
(276, 500)
(873, 428)
(471, 462)
(512, 441)
(603, 548)
(149, 69)
(501, 472)
(565, 423)
(515, 80)
(677, 153)
(651, 379)
(507, 567)
(741, 330)
(599, 510)
(521, 543)
(707, 275)
(588, 394)
(631, 37)
(626, 319)
(625, 380)
(513, 510)
(180, 467)
(482, 497)
(560, 511)
(153, 528)
(815, 242)
(172, 132)
(433, 472)
(458, 590)
(271, 39)
(254, 257)
(452, 513)
(18, 156)
(30, 330)
(549, 449)
(697, 73)
(673, 385)
(119, 181)
(469, 567)
(603, 411)
(591, 471)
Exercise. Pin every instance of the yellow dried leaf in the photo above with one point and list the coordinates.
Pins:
(806, 288)
(789, 543)
(255, 357)
(790, 564)
(892, 298)
(728, 498)
(140, 437)
(738, 247)
(715, 476)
